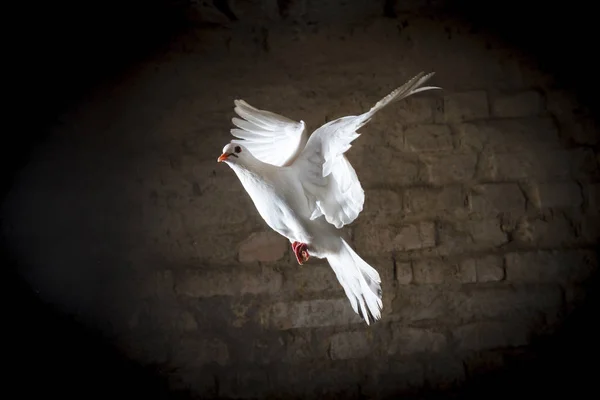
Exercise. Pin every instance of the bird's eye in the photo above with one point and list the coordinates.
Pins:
(238, 149)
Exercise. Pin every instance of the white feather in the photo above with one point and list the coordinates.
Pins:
(306, 189)
(272, 138)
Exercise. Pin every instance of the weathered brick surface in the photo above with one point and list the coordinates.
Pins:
(592, 198)
(233, 281)
(583, 131)
(266, 246)
(201, 351)
(437, 272)
(558, 195)
(416, 110)
(482, 205)
(547, 231)
(486, 268)
(470, 235)
(381, 205)
(307, 314)
(494, 199)
(519, 104)
(490, 335)
(428, 138)
(384, 165)
(543, 166)
(449, 168)
(512, 135)
(551, 266)
(414, 340)
(425, 201)
(373, 239)
(404, 272)
(426, 303)
(312, 278)
(348, 345)
(466, 106)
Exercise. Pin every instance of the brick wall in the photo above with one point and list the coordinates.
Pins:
(481, 211)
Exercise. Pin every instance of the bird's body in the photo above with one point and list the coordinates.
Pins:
(306, 190)
(280, 200)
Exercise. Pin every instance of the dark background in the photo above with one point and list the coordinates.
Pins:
(57, 51)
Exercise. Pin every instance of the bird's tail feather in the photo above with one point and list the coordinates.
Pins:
(411, 87)
(360, 281)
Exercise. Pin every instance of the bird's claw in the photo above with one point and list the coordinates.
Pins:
(301, 252)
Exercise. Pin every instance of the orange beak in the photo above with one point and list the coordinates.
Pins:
(222, 157)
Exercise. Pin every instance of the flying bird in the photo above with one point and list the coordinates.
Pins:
(306, 190)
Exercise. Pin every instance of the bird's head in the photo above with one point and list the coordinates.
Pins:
(234, 153)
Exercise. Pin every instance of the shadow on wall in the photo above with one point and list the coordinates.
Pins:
(50, 353)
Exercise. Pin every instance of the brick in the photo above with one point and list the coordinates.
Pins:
(234, 282)
(218, 208)
(486, 233)
(583, 130)
(431, 271)
(584, 165)
(543, 166)
(415, 110)
(445, 371)
(520, 104)
(552, 230)
(437, 271)
(590, 229)
(487, 268)
(372, 239)
(194, 380)
(551, 266)
(557, 195)
(466, 106)
(265, 246)
(196, 352)
(528, 165)
(156, 284)
(433, 201)
(467, 272)
(491, 335)
(506, 136)
(393, 377)
(381, 204)
(404, 274)
(563, 104)
(464, 236)
(575, 297)
(220, 245)
(449, 168)
(310, 314)
(311, 279)
(483, 363)
(494, 199)
(383, 165)
(407, 341)
(240, 382)
(592, 198)
(428, 138)
(505, 301)
(420, 303)
(350, 345)
(158, 314)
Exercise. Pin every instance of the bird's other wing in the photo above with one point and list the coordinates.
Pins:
(271, 138)
(329, 180)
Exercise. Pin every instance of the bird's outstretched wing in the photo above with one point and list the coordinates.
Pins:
(270, 137)
(329, 180)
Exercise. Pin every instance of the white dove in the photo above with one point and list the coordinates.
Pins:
(306, 190)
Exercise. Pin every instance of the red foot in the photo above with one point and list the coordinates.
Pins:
(301, 252)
